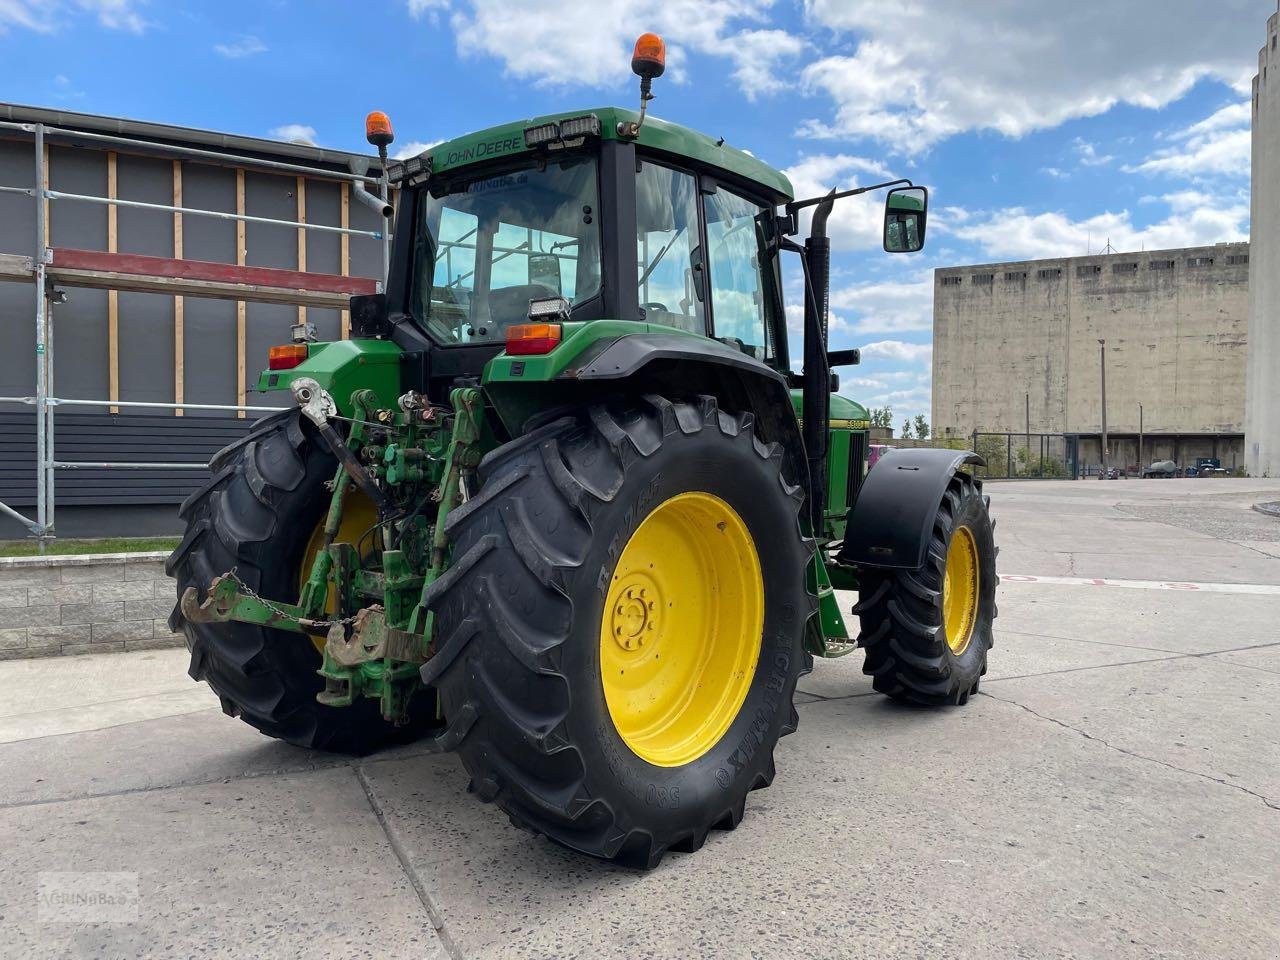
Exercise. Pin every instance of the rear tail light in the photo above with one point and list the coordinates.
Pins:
(286, 356)
(532, 338)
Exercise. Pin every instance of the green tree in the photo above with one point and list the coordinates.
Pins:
(906, 430)
(922, 427)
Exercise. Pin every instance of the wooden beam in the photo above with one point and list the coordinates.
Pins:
(344, 252)
(226, 275)
(301, 194)
(15, 267)
(241, 317)
(179, 306)
(113, 297)
(48, 227)
(181, 286)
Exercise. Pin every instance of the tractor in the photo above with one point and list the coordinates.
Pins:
(561, 505)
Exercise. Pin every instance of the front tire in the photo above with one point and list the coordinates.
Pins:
(926, 632)
(548, 603)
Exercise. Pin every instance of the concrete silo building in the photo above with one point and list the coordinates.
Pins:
(1262, 406)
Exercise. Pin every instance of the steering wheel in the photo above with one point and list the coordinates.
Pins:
(656, 306)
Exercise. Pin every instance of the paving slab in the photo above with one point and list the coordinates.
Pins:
(1206, 715)
(1177, 621)
(889, 832)
(289, 866)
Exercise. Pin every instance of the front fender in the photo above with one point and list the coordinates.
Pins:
(892, 520)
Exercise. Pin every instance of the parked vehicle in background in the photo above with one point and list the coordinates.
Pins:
(1164, 469)
(875, 452)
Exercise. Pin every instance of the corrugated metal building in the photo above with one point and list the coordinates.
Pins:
(130, 345)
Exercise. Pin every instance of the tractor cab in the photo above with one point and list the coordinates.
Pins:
(568, 219)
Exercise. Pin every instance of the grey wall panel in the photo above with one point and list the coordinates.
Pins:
(80, 324)
(17, 213)
(328, 323)
(80, 345)
(148, 232)
(209, 344)
(270, 245)
(208, 188)
(75, 223)
(146, 347)
(324, 250)
(268, 325)
(146, 320)
(324, 205)
(366, 253)
(17, 340)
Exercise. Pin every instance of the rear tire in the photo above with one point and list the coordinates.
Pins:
(905, 631)
(256, 515)
(519, 618)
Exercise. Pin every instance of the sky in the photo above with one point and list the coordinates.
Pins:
(1041, 129)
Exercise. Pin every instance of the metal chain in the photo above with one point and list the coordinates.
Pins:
(253, 595)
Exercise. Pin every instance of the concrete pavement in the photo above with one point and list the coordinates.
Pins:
(1115, 792)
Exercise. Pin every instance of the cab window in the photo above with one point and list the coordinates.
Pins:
(735, 261)
(667, 248)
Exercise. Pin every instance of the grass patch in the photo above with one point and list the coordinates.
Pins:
(28, 548)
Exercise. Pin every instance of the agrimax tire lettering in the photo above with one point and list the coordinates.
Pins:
(639, 508)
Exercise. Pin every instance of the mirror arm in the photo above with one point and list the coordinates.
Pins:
(796, 205)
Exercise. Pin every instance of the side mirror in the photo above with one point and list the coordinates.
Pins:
(544, 269)
(905, 212)
(369, 319)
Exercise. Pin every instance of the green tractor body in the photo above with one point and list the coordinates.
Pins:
(568, 442)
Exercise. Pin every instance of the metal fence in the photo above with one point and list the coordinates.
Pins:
(1028, 456)
(37, 271)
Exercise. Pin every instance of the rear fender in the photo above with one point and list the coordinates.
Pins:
(892, 520)
(668, 364)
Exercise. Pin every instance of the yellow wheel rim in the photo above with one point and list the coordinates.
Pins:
(358, 516)
(960, 590)
(680, 635)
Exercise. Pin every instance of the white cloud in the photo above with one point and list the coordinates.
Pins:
(1194, 220)
(413, 148)
(557, 42)
(898, 350)
(30, 14)
(418, 7)
(1055, 173)
(1216, 146)
(116, 14)
(247, 46)
(934, 68)
(1088, 153)
(856, 222)
(760, 57)
(43, 15)
(886, 306)
(294, 133)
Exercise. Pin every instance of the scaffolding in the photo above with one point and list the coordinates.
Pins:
(49, 268)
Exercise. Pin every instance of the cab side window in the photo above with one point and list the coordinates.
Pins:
(667, 251)
(735, 258)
